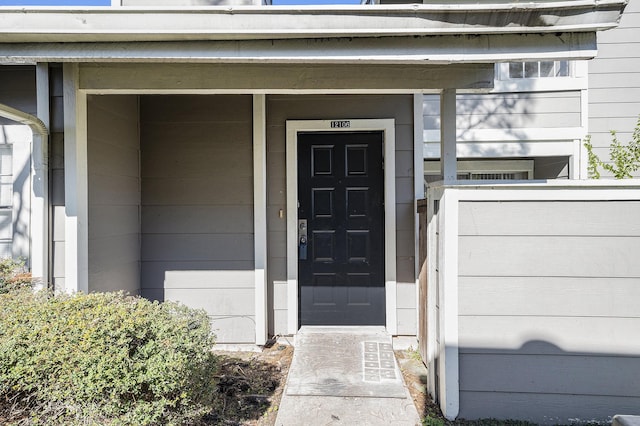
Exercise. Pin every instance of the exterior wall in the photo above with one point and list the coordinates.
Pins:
(316, 107)
(614, 82)
(197, 207)
(514, 110)
(114, 193)
(537, 293)
(507, 118)
(17, 90)
(547, 309)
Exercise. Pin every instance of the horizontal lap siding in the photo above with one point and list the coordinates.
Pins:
(548, 314)
(281, 108)
(197, 208)
(508, 110)
(18, 89)
(56, 177)
(614, 82)
(114, 193)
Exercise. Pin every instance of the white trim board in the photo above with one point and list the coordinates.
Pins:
(503, 149)
(509, 135)
(387, 126)
(75, 183)
(260, 216)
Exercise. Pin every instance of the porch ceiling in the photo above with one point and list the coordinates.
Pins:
(125, 24)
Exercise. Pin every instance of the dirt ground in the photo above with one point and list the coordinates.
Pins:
(253, 384)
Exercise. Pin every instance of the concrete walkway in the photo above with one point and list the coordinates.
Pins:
(345, 376)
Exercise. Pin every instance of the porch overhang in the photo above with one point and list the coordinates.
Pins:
(445, 33)
(111, 24)
(419, 50)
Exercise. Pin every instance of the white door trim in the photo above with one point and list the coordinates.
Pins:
(387, 126)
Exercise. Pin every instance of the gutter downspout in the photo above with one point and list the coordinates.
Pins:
(39, 247)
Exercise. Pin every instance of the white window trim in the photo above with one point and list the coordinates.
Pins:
(387, 126)
(577, 80)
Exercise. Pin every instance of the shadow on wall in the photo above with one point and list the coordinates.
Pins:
(506, 113)
(545, 384)
(17, 221)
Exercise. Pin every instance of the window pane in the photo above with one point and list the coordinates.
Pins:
(546, 69)
(531, 69)
(515, 70)
(562, 68)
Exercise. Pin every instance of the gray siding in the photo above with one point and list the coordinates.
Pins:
(548, 319)
(314, 107)
(56, 176)
(18, 89)
(113, 151)
(614, 82)
(197, 207)
(508, 110)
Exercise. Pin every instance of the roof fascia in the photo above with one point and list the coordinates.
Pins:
(434, 50)
(111, 24)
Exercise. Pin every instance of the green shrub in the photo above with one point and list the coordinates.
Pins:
(104, 358)
(624, 158)
(13, 275)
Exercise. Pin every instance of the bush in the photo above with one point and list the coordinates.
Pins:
(625, 158)
(104, 358)
(13, 275)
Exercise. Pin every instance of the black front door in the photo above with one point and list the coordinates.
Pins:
(341, 259)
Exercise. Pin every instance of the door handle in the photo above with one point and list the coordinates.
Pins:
(302, 239)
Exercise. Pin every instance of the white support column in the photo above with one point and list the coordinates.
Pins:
(582, 162)
(448, 160)
(448, 284)
(260, 215)
(418, 184)
(40, 182)
(75, 182)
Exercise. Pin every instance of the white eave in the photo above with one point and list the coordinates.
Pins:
(157, 24)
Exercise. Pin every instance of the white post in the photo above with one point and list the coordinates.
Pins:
(40, 183)
(260, 215)
(448, 135)
(448, 284)
(75, 182)
(418, 183)
(583, 159)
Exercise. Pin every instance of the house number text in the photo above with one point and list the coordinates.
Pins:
(340, 124)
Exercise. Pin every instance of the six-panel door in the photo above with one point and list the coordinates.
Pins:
(341, 260)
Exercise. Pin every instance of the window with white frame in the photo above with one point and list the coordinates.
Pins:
(539, 69)
(483, 170)
(535, 76)
(6, 200)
